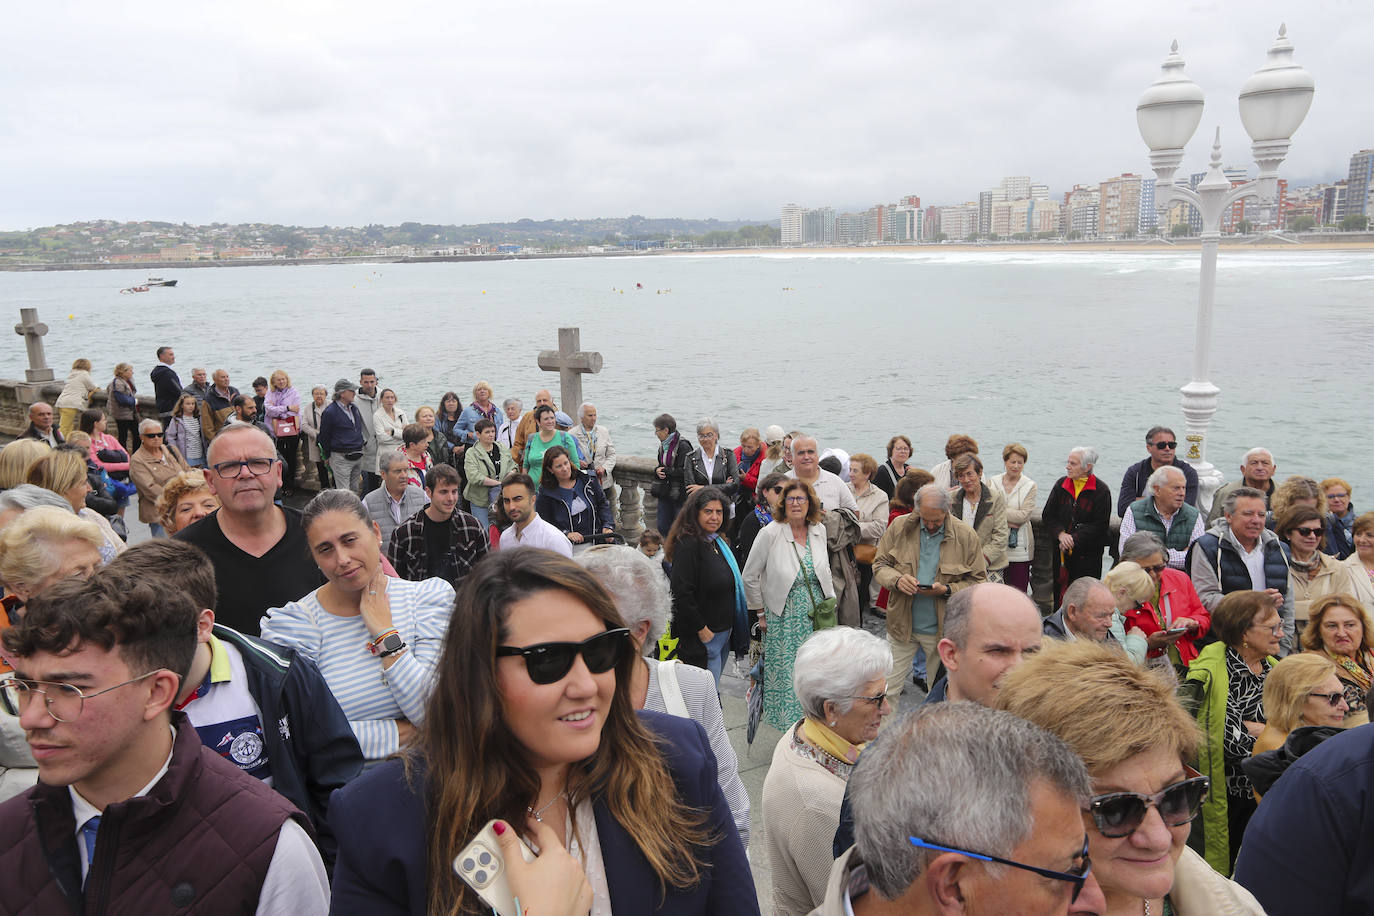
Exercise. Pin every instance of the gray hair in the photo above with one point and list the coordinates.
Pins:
(1160, 478)
(1257, 450)
(334, 501)
(148, 424)
(1228, 507)
(1077, 592)
(834, 664)
(26, 496)
(1140, 545)
(944, 498)
(389, 460)
(636, 583)
(509, 401)
(582, 408)
(958, 774)
(1086, 454)
(708, 423)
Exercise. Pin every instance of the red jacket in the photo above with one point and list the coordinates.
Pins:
(1177, 598)
(749, 480)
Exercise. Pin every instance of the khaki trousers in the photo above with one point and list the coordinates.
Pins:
(903, 653)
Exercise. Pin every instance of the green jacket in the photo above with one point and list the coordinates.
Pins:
(1204, 694)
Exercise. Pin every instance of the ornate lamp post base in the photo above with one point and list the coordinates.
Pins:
(1199, 406)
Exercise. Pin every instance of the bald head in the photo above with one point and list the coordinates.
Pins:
(40, 415)
(542, 396)
(237, 434)
(989, 629)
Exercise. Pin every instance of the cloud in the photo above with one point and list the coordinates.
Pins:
(348, 113)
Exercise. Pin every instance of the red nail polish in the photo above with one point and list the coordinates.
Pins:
(499, 827)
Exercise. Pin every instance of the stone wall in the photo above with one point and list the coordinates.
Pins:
(637, 508)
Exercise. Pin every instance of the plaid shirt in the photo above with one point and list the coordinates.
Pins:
(407, 548)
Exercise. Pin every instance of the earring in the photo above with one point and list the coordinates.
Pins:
(832, 724)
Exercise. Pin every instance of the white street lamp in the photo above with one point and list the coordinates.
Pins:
(1273, 103)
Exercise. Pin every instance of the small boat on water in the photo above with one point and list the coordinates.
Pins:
(134, 289)
(158, 281)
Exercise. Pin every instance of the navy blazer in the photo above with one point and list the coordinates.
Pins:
(380, 819)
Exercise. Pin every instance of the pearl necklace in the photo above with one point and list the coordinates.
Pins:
(539, 815)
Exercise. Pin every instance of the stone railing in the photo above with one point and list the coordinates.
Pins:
(633, 475)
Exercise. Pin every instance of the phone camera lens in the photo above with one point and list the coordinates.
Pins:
(480, 877)
(469, 865)
(484, 858)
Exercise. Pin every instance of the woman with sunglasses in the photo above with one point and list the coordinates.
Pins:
(1301, 690)
(1224, 689)
(532, 724)
(1136, 740)
(1311, 573)
(841, 680)
(375, 638)
(767, 506)
(150, 468)
(1341, 630)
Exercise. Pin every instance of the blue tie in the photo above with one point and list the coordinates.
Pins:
(88, 831)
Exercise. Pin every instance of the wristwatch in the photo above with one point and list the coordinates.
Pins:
(391, 644)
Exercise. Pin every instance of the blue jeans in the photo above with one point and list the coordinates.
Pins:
(918, 663)
(195, 462)
(667, 513)
(480, 513)
(716, 650)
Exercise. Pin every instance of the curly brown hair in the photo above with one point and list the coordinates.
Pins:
(814, 510)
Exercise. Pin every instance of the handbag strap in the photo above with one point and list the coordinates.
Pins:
(672, 690)
(805, 578)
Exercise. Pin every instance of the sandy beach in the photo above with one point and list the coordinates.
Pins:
(1363, 241)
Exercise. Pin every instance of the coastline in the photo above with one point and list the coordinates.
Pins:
(1356, 241)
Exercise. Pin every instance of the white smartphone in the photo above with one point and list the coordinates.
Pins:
(482, 866)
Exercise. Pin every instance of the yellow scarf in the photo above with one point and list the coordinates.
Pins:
(1078, 484)
(819, 735)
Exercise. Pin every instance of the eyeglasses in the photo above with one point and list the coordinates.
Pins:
(798, 499)
(1333, 698)
(876, 701)
(1121, 813)
(232, 470)
(1075, 877)
(549, 662)
(1164, 445)
(1276, 629)
(64, 701)
(1308, 532)
(151, 435)
(1157, 568)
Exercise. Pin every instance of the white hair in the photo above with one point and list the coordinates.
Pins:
(148, 424)
(1257, 450)
(943, 494)
(1160, 478)
(834, 664)
(958, 774)
(636, 583)
(1086, 454)
(708, 423)
(583, 407)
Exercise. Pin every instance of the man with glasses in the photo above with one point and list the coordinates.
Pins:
(1165, 512)
(261, 556)
(922, 559)
(1239, 553)
(1162, 445)
(934, 821)
(132, 812)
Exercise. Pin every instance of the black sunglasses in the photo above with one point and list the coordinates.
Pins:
(549, 662)
(1121, 813)
(1333, 698)
(1076, 877)
(1164, 445)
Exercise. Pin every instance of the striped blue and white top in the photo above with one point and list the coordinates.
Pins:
(372, 698)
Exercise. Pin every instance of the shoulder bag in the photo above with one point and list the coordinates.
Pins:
(824, 614)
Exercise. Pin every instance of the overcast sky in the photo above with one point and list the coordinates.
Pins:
(347, 113)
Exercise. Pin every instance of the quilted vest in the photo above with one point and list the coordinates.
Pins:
(1231, 571)
(199, 842)
(1147, 518)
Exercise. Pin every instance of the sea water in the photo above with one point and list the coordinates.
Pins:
(1051, 350)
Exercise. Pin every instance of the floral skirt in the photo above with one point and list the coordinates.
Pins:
(782, 639)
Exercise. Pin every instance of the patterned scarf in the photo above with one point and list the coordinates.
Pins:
(1359, 673)
(813, 740)
(763, 515)
(668, 450)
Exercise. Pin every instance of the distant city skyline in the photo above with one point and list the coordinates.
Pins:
(331, 114)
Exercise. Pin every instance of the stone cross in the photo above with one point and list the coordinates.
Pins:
(570, 363)
(32, 330)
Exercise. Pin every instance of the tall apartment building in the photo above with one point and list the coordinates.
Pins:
(818, 226)
(849, 228)
(1359, 186)
(1039, 192)
(1118, 214)
(959, 222)
(1149, 219)
(1079, 212)
(985, 201)
(792, 225)
(1016, 187)
(904, 223)
(1333, 203)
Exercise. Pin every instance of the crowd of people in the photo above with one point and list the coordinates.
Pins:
(450, 653)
